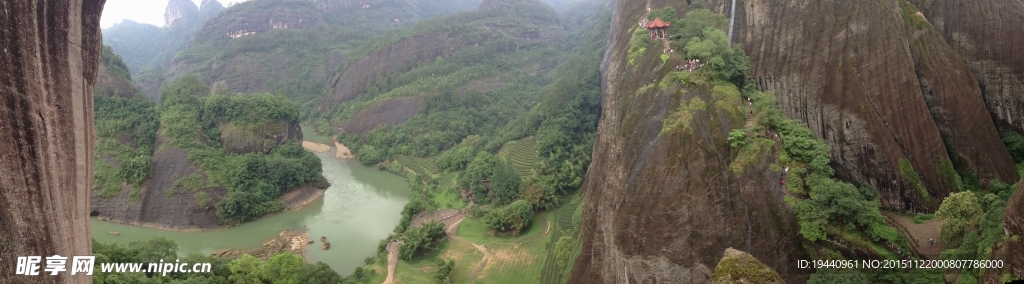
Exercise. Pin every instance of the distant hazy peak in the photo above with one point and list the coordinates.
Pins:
(208, 4)
(177, 9)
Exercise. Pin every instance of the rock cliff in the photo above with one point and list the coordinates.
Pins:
(162, 202)
(894, 101)
(179, 9)
(662, 208)
(48, 67)
(258, 138)
(113, 78)
(990, 36)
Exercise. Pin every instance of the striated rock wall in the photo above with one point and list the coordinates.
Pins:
(48, 67)
(662, 208)
(159, 203)
(387, 113)
(990, 36)
(241, 139)
(876, 81)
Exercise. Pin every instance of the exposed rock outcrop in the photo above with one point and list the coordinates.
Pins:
(990, 36)
(737, 267)
(662, 208)
(876, 81)
(162, 202)
(113, 78)
(258, 138)
(288, 241)
(387, 113)
(178, 9)
(49, 56)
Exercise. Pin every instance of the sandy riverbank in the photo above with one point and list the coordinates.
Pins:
(316, 147)
(299, 197)
(343, 152)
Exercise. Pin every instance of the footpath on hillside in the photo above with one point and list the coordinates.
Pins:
(921, 233)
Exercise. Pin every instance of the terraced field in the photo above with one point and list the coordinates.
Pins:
(447, 194)
(422, 166)
(563, 224)
(522, 153)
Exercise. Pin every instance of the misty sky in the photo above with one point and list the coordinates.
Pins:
(142, 11)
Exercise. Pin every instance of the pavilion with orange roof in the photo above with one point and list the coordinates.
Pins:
(658, 28)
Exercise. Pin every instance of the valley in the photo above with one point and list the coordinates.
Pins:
(514, 141)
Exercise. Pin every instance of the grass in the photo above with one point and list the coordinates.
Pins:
(918, 219)
(447, 195)
(474, 230)
(309, 135)
(380, 271)
(522, 153)
(566, 217)
(421, 268)
(422, 166)
(513, 259)
(520, 260)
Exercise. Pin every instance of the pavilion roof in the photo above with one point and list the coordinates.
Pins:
(658, 23)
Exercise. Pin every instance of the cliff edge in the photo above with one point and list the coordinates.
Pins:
(46, 116)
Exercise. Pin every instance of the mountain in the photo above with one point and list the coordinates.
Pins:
(51, 53)
(993, 49)
(902, 119)
(176, 165)
(113, 78)
(147, 48)
(865, 104)
(290, 47)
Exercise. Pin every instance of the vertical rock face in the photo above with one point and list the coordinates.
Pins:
(1011, 250)
(990, 36)
(882, 87)
(178, 9)
(662, 208)
(49, 54)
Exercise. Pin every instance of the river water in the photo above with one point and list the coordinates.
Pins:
(362, 206)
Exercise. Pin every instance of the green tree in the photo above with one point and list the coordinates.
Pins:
(245, 270)
(319, 273)
(155, 249)
(737, 138)
(507, 184)
(283, 268)
(697, 21)
(513, 218)
(960, 205)
(443, 274)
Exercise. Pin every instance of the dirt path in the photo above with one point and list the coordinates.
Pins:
(921, 233)
(451, 230)
(451, 219)
(392, 262)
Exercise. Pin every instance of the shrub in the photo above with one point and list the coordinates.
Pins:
(512, 218)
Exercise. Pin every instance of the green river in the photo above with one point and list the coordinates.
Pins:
(362, 206)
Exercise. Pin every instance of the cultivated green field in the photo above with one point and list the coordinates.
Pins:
(522, 153)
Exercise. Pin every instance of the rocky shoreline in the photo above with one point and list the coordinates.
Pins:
(293, 241)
